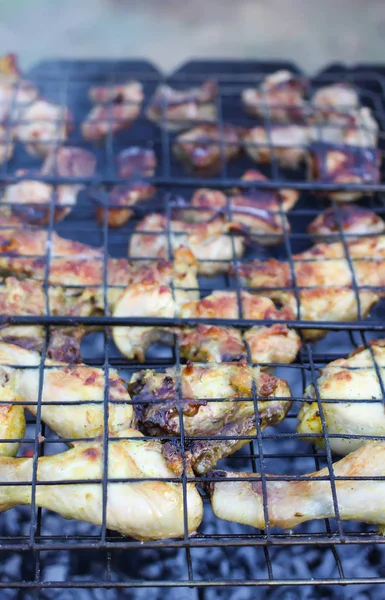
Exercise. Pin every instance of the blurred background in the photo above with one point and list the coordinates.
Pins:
(168, 32)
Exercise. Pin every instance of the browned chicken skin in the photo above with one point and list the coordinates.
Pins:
(160, 406)
(280, 96)
(120, 198)
(116, 107)
(200, 149)
(136, 161)
(326, 271)
(207, 241)
(178, 109)
(30, 200)
(288, 144)
(350, 219)
(259, 211)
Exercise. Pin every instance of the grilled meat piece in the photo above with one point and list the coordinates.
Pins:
(178, 109)
(61, 385)
(150, 298)
(351, 219)
(336, 102)
(116, 107)
(290, 503)
(280, 96)
(354, 379)
(12, 419)
(160, 405)
(207, 241)
(141, 509)
(361, 129)
(329, 163)
(209, 343)
(15, 92)
(120, 198)
(43, 126)
(257, 210)
(136, 161)
(24, 253)
(327, 272)
(30, 200)
(203, 148)
(287, 144)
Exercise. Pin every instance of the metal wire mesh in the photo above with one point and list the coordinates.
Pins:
(272, 451)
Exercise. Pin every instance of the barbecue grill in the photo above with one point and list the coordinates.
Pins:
(54, 553)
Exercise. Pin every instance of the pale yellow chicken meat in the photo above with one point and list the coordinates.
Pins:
(211, 243)
(159, 406)
(64, 384)
(140, 509)
(348, 381)
(290, 503)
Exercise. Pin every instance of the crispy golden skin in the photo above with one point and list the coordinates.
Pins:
(30, 201)
(258, 211)
(209, 343)
(287, 143)
(160, 407)
(43, 125)
(210, 242)
(116, 107)
(351, 220)
(326, 271)
(202, 149)
(24, 253)
(353, 378)
(141, 509)
(290, 503)
(61, 385)
(280, 96)
(330, 163)
(178, 109)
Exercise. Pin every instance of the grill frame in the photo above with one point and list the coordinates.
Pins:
(309, 360)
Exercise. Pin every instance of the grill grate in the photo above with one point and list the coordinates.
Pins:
(277, 450)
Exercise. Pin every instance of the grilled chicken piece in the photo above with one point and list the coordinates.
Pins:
(160, 406)
(178, 109)
(336, 102)
(280, 96)
(209, 343)
(43, 126)
(207, 241)
(150, 298)
(290, 503)
(204, 148)
(287, 144)
(12, 419)
(351, 219)
(329, 163)
(136, 161)
(24, 253)
(360, 129)
(30, 200)
(116, 107)
(62, 384)
(354, 379)
(15, 92)
(120, 198)
(326, 271)
(257, 210)
(140, 509)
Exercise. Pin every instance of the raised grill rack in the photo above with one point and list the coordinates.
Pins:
(275, 450)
